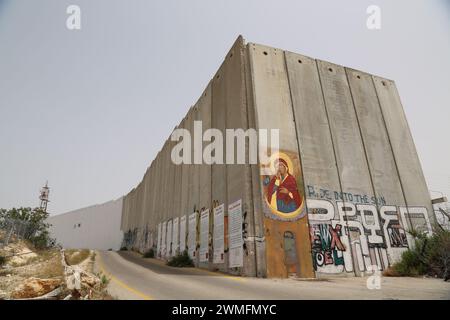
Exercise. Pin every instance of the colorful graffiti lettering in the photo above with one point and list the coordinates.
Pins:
(326, 245)
(353, 237)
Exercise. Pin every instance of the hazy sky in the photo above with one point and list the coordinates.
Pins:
(88, 110)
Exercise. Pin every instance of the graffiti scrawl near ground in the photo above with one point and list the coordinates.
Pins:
(326, 245)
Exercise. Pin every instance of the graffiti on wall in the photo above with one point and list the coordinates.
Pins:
(326, 194)
(354, 237)
(326, 246)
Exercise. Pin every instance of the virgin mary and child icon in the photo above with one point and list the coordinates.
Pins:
(282, 193)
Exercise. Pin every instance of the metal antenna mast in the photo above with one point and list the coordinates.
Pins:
(44, 197)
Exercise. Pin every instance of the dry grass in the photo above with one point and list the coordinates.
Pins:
(390, 272)
(74, 257)
(52, 267)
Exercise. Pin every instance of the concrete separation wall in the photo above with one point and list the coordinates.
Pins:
(349, 187)
(95, 227)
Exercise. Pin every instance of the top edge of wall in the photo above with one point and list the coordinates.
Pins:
(88, 207)
(267, 47)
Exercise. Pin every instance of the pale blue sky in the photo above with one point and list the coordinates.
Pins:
(88, 110)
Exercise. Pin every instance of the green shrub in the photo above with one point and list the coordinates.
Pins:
(149, 254)
(430, 255)
(123, 249)
(181, 261)
(438, 254)
(104, 280)
(410, 264)
(2, 260)
(31, 223)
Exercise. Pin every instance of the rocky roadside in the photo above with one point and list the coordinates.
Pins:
(51, 274)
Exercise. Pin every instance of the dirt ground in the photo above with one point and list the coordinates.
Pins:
(24, 262)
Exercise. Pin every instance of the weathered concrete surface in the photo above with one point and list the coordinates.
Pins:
(315, 143)
(410, 171)
(273, 110)
(219, 171)
(137, 278)
(254, 177)
(382, 168)
(184, 209)
(177, 208)
(352, 165)
(238, 175)
(204, 170)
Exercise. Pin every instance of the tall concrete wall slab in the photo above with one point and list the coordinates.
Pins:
(96, 227)
(177, 209)
(320, 172)
(410, 171)
(286, 230)
(204, 170)
(384, 174)
(354, 174)
(238, 176)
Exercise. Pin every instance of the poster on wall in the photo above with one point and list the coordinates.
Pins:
(169, 239)
(163, 239)
(158, 243)
(235, 239)
(204, 235)
(175, 238)
(219, 234)
(182, 233)
(192, 234)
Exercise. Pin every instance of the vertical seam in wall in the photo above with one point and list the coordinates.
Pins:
(365, 153)
(257, 210)
(248, 174)
(393, 156)
(225, 166)
(211, 204)
(299, 155)
(335, 160)
(211, 201)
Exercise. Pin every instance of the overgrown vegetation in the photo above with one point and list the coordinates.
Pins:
(429, 256)
(123, 249)
(181, 261)
(150, 253)
(29, 224)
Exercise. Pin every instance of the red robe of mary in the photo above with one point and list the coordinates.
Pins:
(286, 202)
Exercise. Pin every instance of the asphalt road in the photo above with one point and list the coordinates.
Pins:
(133, 277)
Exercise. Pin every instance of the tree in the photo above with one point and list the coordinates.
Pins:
(27, 223)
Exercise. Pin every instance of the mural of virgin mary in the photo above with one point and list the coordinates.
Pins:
(282, 191)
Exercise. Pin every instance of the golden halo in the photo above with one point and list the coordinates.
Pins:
(285, 157)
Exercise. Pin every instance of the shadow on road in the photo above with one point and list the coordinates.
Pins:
(159, 266)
